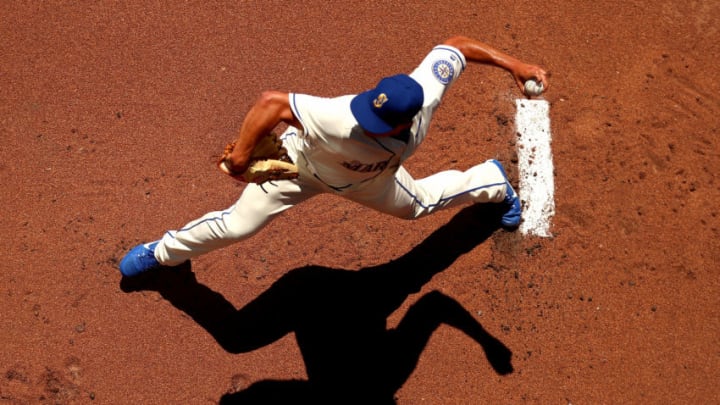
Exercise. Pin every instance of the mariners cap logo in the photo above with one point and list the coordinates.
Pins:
(380, 100)
(394, 101)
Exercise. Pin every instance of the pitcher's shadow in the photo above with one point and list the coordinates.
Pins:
(339, 318)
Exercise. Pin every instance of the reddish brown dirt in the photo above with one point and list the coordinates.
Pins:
(112, 115)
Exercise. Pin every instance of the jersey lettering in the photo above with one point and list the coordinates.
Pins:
(360, 167)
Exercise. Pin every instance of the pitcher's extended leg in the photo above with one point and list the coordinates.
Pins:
(254, 209)
(409, 198)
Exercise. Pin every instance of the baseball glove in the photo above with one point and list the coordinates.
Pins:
(268, 161)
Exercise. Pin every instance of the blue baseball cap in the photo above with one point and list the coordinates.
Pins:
(394, 101)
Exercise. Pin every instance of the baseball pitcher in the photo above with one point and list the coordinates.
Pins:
(352, 146)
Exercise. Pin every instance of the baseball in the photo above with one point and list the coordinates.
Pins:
(533, 88)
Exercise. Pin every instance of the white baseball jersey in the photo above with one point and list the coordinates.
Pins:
(334, 148)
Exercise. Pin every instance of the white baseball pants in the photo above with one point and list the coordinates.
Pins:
(399, 195)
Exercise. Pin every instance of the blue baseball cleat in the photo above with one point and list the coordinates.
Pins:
(511, 218)
(139, 260)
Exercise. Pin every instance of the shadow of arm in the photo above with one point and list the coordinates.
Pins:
(436, 308)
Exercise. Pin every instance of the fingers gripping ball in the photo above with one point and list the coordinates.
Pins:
(533, 88)
(269, 161)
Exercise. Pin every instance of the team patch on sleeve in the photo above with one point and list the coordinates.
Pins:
(443, 71)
